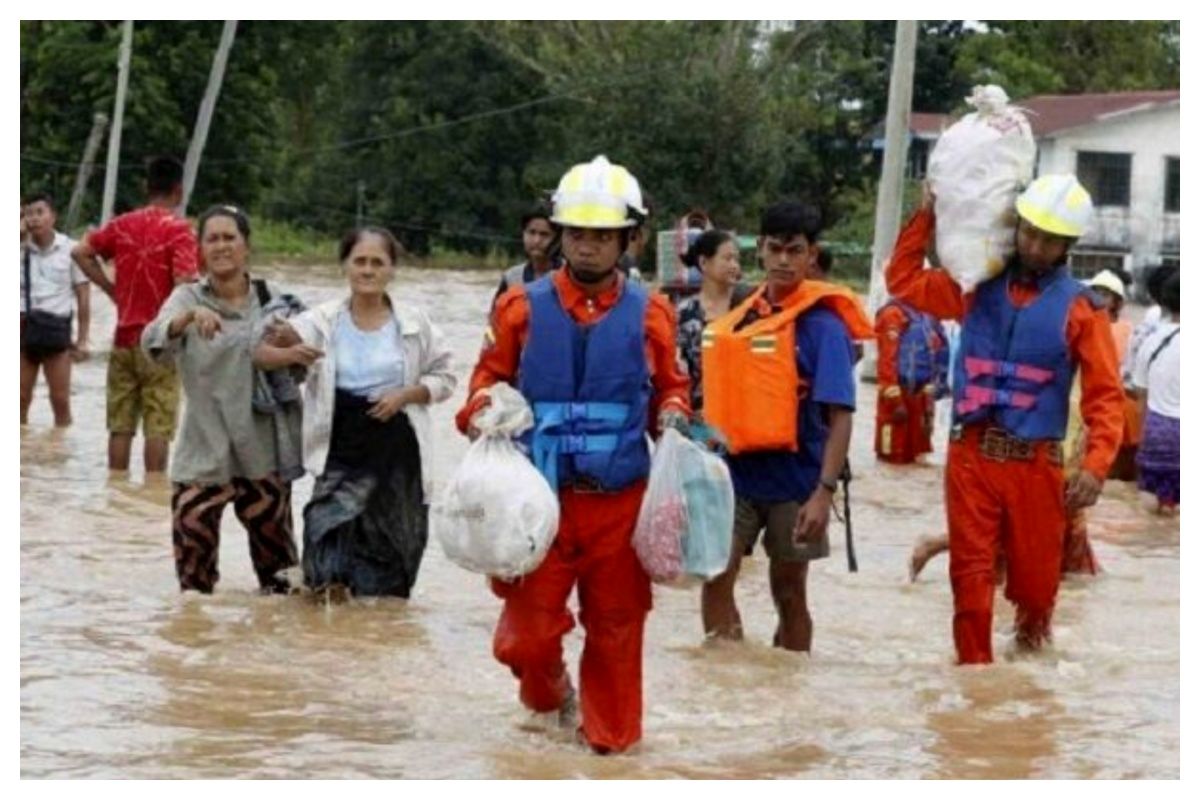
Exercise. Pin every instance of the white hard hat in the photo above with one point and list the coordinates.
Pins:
(598, 194)
(1107, 279)
(1056, 204)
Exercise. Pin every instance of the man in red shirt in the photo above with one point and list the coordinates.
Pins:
(152, 250)
(594, 354)
(1025, 333)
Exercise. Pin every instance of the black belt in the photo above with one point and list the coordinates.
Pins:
(585, 485)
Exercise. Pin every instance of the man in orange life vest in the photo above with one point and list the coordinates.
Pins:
(1025, 333)
(913, 360)
(779, 386)
(594, 354)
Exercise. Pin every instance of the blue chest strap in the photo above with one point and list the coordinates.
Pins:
(556, 432)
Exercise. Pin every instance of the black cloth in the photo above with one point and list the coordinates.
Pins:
(367, 523)
(42, 334)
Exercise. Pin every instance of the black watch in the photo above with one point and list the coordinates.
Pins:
(830, 485)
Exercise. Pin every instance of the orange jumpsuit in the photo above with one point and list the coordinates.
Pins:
(592, 547)
(1017, 507)
(898, 442)
(1123, 468)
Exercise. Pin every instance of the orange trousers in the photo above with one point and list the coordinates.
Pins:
(902, 442)
(1014, 507)
(592, 548)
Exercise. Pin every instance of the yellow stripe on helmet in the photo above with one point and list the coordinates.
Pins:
(1045, 220)
(590, 215)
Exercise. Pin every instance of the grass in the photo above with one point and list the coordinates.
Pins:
(276, 241)
(281, 241)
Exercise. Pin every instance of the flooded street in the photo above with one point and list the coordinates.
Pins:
(121, 676)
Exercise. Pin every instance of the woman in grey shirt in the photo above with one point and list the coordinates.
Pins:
(225, 450)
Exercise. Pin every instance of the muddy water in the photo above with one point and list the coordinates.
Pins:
(123, 677)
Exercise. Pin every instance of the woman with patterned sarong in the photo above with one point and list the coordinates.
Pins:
(227, 450)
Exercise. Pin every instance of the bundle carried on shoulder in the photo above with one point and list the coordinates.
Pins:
(976, 170)
(498, 515)
(684, 530)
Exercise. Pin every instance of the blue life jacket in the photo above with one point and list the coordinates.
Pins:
(1013, 366)
(924, 352)
(589, 387)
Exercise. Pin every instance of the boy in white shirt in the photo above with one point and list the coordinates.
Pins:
(52, 287)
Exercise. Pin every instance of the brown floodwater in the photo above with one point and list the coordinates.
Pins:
(121, 676)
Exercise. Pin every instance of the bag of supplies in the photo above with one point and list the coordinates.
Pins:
(498, 515)
(684, 530)
(976, 170)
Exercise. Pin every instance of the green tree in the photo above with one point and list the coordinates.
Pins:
(680, 103)
(421, 126)
(453, 128)
(69, 72)
(1073, 56)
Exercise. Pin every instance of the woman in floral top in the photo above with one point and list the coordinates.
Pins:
(715, 254)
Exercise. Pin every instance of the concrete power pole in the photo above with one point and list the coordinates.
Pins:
(207, 106)
(114, 135)
(890, 199)
(99, 122)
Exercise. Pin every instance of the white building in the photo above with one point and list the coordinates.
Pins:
(1124, 147)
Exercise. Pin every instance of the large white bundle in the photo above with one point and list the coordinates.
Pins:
(976, 170)
(498, 515)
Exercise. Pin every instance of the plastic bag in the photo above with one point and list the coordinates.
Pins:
(684, 530)
(976, 170)
(498, 515)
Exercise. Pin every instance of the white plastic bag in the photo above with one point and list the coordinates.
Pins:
(498, 515)
(976, 170)
(685, 526)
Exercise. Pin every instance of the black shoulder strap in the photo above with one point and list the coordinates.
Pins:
(1162, 346)
(25, 256)
(260, 288)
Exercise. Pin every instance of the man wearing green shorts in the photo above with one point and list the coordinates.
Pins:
(152, 250)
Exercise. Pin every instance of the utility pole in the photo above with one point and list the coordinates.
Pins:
(890, 198)
(360, 205)
(99, 122)
(207, 106)
(114, 135)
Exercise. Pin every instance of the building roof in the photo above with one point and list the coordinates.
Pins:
(929, 126)
(1049, 114)
(1052, 113)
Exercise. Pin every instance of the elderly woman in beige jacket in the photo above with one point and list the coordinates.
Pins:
(374, 367)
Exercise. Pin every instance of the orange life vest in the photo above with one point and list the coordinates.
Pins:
(752, 387)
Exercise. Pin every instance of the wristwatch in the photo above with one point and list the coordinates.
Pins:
(830, 485)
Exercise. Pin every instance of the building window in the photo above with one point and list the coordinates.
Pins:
(1106, 177)
(1086, 263)
(1171, 201)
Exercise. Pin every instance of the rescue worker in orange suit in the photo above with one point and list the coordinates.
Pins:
(594, 354)
(1025, 333)
(1111, 287)
(778, 373)
(913, 359)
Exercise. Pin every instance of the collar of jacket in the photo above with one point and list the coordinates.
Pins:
(402, 313)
